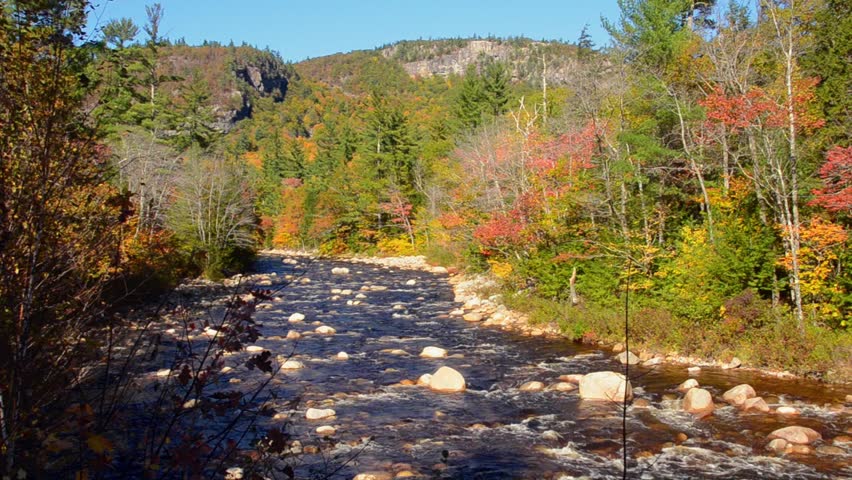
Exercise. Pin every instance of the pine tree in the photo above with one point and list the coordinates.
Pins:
(469, 106)
(495, 82)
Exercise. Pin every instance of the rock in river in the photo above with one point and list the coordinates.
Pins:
(447, 380)
(739, 394)
(319, 413)
(609, 386)
(433, 352)
(796, 435)
(698, 401)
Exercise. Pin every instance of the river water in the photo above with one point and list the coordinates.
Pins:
(493, 430)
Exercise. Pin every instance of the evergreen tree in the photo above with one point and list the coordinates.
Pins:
(585, 45)
(469, 106)
(495, 87)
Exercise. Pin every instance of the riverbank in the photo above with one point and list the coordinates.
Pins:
(484, 302)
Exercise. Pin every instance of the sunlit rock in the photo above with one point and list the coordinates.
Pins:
(319, 413)
(610, 386)
(447, 380)
(433, 352)
(739, 394)
(796, 435)
(698, 401)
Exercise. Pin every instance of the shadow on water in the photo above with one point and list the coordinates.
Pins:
(493, 430)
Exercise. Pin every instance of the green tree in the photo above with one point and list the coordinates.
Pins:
(119, 32)
(469, 104)
(495, 88)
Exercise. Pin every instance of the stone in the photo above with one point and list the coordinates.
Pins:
(340, 271)
(342, 356)
(618, 348)
(254, 349)
(531, 387)
(739, 394)
(296, 318)
(698, 401)
(433, 352)
(411, 283)
(319, 413)
(191, 403)
(440, 270)
(425, 379)
(778, 445)
(562, 387)
(800, 449)
(756, 404)
(796, 435)
(226, 370)
(609, 386)
(326, 430)
(785, 410)
(293, 335)
(734, 363)
(681, 437)
(292, 365)
(627, 358)
(473, 317)
(325, 330)
(829, 450)
(848, 398)
(373, 476)
(234, 473)
(653, 361)
(574, 378)
(405, 474)
(447, 380)
(693, 370)
(685, 386)
(641, 403)
(165, 372)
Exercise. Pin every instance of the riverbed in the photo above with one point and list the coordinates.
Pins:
(384, 317)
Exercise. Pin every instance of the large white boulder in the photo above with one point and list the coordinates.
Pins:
(433, 352)
(609, 386)
(447, 380)
(698, 401)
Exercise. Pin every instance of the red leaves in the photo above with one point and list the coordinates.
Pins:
(501, 230)
(836, 174)
(757, 108)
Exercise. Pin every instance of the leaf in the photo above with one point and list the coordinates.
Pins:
(99, 444)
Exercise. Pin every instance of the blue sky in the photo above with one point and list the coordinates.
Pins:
(303, 29)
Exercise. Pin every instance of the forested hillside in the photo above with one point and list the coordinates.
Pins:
(702, 160)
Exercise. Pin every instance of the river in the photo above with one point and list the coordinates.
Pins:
(493, 430)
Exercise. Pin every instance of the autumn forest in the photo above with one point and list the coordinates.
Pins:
(696, 171)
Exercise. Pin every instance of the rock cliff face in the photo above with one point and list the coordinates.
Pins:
(524, 57)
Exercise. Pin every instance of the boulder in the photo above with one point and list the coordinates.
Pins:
(319, 413)
(254, 349)
(325, 330)
(756, 404)
(618, 348)
(292, 365)
(739, 394)
(787, 411)
(627, 358)
(447, 380)
(293, 335)
(339, 271)
(562, 387)
(326, 430)
(685, 386)
(234, 473)
(574, 378)
(698, 401)
(610, 386)
(473, 317)
(296, 318)
(433, 352)
(411, 283)
(373, 476)
(778, 445)
(342, 356)
(796, 435)
(734, 363)
(531, 387)
(425, 379)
